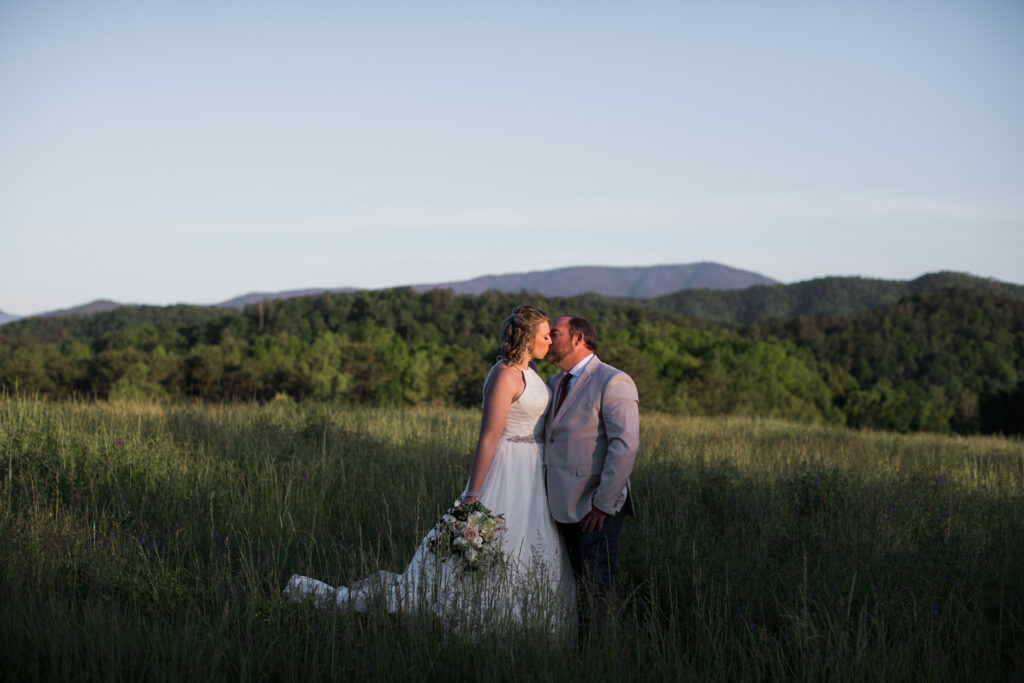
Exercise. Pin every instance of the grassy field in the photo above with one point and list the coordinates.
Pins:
(153, 542)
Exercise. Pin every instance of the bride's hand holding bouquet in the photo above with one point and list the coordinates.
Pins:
(471, 534)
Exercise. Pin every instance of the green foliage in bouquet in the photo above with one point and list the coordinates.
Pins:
(471, 534)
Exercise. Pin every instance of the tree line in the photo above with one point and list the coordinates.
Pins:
(819, 297)
(949, 360)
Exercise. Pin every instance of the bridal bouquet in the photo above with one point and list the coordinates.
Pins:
(470, 533)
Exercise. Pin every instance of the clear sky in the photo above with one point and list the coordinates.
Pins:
(163, 152)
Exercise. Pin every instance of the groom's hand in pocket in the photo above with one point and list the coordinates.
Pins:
(593, 521)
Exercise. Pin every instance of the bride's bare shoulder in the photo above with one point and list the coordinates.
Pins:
(504, 374)
(503, 369)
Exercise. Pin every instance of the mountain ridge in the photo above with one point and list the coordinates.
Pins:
(639, 282)
(97, 306)
(255, 297)
(634, 282)
(709, 291)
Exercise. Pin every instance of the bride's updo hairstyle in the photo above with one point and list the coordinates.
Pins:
(518, 331)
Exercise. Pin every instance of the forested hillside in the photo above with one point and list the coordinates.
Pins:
(942, 361)
(824, 296)
(952, 359)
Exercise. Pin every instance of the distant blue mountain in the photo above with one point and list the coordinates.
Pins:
(639, 282)
(711, 291)
(98, 306)
(253, 297)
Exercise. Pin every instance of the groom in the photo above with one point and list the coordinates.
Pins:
(590, 444)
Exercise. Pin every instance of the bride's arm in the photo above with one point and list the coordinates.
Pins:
(502, 387)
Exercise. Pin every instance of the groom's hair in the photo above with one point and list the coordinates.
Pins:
(583, 326)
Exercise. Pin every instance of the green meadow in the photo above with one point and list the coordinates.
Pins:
(153, 541)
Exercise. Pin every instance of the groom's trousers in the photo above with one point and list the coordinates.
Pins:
(594, 556)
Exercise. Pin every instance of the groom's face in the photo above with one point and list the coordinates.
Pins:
(561, 343)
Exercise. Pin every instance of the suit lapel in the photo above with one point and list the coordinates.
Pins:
(576, 390)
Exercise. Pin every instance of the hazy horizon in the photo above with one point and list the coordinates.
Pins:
(193, 153)
(403, 284)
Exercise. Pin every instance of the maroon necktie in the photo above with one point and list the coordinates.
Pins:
(562, 390)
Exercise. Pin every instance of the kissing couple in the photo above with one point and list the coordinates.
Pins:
(554, 461)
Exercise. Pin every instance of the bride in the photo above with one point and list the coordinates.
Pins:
(535, 585)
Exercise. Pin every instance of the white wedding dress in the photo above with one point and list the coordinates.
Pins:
(535, 587)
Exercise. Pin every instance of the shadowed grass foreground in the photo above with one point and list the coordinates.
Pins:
(153, 542)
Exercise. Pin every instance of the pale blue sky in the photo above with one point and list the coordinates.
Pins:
(162, 152)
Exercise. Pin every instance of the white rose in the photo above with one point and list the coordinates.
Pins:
(477, 518)
(461, 542)
(478, 541)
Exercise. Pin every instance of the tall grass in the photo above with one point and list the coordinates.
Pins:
(153, 542)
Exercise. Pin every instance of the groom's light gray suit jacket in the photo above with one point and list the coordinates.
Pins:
(590, 444)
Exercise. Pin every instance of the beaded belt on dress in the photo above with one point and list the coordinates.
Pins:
(527, 438)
